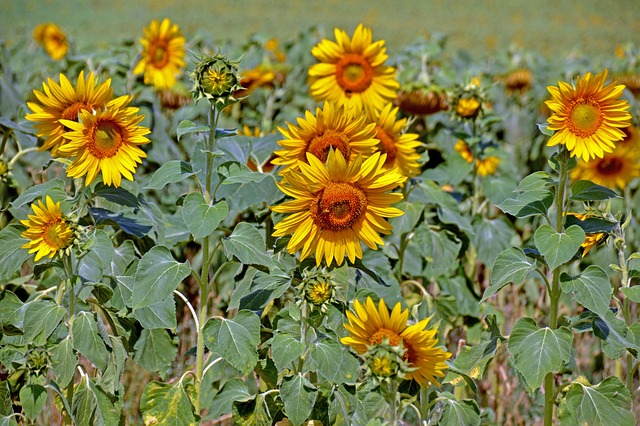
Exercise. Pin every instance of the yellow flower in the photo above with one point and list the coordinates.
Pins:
(338, 205)
(48, 230)
(587, 117)
(486, 165)
(254, 78)
(370, 325)
(614, 170)
(162, 54)
(399, 147)
(590, 240)
(352, 71)
(468, 107)
(332, 127)
(106, 141)
(318, 292)
(63, 102)
(53, 39)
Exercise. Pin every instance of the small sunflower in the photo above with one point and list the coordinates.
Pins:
(371, 325)
(52, 39)
(106, 141)
(49, 231)
(352, 70)
(588, 116)
(486, 165)
(62, 102)
(614, 170)
(332, 127)
(399, 147)
(517, 81)
(163, 54)
(418, 99)
(338, 205)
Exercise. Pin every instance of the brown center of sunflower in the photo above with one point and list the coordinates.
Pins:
(159, 54)
(54, 234)
(386, 145)
(394, 340)
(610, 166)
(106, 140)
(585, 117)
(321, 144)
(71, 112)
(338, 206)
(354, 73)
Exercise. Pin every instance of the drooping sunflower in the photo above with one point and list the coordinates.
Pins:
(52, 39)
(48, 230)
(614, 170)
(370, 325)
(163, 54)
(588, 116)
(106, 141)
(399, 147)
(592, 239)
(337, 205)
(332, 127)
(352, 70)
(486, 165)
(62, 102)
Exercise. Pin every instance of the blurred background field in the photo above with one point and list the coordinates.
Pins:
(591, 27)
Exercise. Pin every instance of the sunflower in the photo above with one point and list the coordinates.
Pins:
(400, 148)
(106, 141)
(352, 71)
(370, 325)
(53, 39)
(486, 165)
(340, 128)
(590, 240)
(162, 54)
(587, 117)
(337, 205)
(49, 231)
(614, 170)
(63, 102)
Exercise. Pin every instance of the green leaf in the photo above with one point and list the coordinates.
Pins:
(170, 172)
(33, 398)
(155, 350)
(585, 190)
(119, 220)
(264, 288)
(53, 187)
(247, 244)
(437, 248)
(511, 266)
(6, 405)
(109, 381)
(591, 225)
(161, 314)
(592, 289)
(466, 301)
(40, 320)
(285, 349)
(408, 221)
(544, 130)
(613, 332)
(84, 404)
(538, 351)
(530, 197)
(10, 308)
(333, 362)
(64, 361)
(157, 275)
(187, 126)
(453, 217)
(87, 340)
(201, 217)
(492, 236)
(235, 340)
(556, 248)
(232, 391)
(632, 293)
(167, 404)
(465, 412)
(298, 395)
(234, 172)
(117, 195)
(608, 403)
(254, 412)
(12, 255)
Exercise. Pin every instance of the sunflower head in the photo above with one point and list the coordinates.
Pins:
(615, 169)
(517, 81)
(385, 362)
(591, 240)
(317, 288)
(468, 102)
(587, 116)
(216, 78)
(485, 164)
(420, 99)
(49, 231)
(52, 39)
(174, 98)
(371, 325)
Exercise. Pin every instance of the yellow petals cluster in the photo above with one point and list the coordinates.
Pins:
(52, 39)
(48, 231)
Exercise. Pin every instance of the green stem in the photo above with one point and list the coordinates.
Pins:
(5, 138)
(20, 154)
(555, 291)
(626, 309)
(392, 398)
(68, 267)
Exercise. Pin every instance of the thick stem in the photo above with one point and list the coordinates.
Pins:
(626, 310)
(68, 267)
(392, 398)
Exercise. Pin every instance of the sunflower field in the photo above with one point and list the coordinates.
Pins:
(316, 231)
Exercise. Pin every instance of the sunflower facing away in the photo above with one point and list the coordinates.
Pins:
(352, 70)
(486, 165)
(339, 128)
(590, 240)
(614, 170)
(370, 325)
(106, 141)
(52, 39)
(400, 148)
(587, 117)
(162, 54)
(64, 102)
(338, 205)
(47, 229)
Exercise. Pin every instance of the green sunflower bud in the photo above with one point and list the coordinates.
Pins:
(216, 78)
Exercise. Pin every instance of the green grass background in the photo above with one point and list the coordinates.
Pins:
(591, 27)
